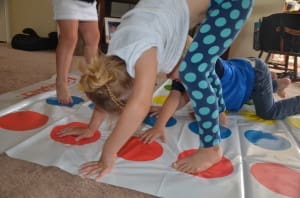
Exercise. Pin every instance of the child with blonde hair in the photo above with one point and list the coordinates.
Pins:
(149, 40)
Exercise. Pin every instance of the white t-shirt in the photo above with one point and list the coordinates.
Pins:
(163, 24)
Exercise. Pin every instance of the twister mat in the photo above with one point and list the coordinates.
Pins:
(261, 157)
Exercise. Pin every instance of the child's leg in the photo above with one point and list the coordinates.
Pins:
(263, 99)
(64, 52)
(224, 20)
(91, 35)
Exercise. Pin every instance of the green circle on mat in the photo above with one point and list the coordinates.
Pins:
(168, 87)
(249, 102)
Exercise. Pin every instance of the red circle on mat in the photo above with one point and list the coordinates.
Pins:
(277, 178)
(220, 169)
(136, 150)
(70, 139)
(23, 120)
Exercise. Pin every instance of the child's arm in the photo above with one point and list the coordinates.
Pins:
(168, 109)
(85, 132)
(133, 114)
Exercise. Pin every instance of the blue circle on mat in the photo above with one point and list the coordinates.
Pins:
(150, 120)
(92, 105)
(267, 140)
(225, 132)
(54, 101)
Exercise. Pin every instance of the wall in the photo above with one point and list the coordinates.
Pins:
(36, 14)
(4, 30)
(243, 45)
(118, 9)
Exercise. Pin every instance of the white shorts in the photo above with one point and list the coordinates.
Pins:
(74, 9)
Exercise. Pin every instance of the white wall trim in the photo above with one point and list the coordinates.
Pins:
(7, 26)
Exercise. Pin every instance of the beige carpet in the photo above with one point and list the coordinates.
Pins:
(22, 68)
(21, 179)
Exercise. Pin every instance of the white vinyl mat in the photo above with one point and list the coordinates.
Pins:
(261, 157)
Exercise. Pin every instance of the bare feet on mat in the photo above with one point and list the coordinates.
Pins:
(63, 94)
(273, 75)
(199, 161)
(282, 84)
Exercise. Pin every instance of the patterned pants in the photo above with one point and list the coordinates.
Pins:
(224, 20)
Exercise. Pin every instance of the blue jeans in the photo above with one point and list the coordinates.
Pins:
(262, 96)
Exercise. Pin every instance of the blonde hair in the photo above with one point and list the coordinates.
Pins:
(106, 82)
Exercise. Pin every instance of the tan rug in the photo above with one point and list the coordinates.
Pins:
(21, 179)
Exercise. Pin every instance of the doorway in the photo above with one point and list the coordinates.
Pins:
(4, 28)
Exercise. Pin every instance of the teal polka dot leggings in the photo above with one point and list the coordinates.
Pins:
(224, 20)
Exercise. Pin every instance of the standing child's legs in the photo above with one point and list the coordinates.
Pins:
(64, 52)
(263, 99)
(224, 20)
(91, 36)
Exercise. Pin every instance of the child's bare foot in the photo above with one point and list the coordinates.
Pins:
(282, 84)
(274, 75)
(62, 91)
(199, 161)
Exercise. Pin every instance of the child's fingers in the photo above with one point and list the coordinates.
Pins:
(92, 172)
(102, 173)
(153, 113)
(66, 130)
(74, 133)
(79, 138)
(155, 108)
(87, 166)
(142, 136)
(65, 133)
(148, 138)
(82, 136)
(163, 138)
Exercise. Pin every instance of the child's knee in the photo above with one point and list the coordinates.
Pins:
(267, 115)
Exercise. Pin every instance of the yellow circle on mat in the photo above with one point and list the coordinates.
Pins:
(80, 88)
(251, 116)
(294, 122)
(159, 99)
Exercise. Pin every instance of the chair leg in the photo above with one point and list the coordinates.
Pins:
(260, 54)
(267, 60)
(101, 8)
(295, 67)
(286, 63)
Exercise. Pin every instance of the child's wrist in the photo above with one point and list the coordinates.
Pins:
(91, 131)
(159, 127)
(108, 151)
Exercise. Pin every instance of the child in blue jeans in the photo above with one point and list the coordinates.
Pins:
(241, 79)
